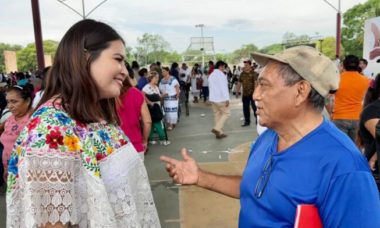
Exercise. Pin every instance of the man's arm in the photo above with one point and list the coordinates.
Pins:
(238, 85)
(187, 172)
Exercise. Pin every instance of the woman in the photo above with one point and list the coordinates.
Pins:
(72, 165)
(38, 95)
(19, 100)
(196, 82)
(136, 68)
(369, 117)
(169, 88)
(132, 112)
(153, 98)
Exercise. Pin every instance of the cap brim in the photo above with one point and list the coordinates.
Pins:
(263, 59)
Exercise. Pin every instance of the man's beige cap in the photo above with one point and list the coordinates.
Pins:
(310, 64)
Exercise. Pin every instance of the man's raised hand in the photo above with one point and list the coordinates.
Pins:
(182, 172)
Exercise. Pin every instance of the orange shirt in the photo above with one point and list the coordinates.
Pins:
(349, 97)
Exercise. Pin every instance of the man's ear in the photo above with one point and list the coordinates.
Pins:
(303, 91)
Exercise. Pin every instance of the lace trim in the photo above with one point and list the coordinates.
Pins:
(56, 188)
(126, 181)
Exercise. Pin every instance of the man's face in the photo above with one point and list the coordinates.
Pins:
(362, 65)
(247, 66)
(274, 100)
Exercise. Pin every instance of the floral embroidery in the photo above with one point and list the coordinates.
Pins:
(33, 123)
(109, 150)
(54, 139)
(62, 118)
(104, 136)
(18, 150)
(72, 143)
(122, 142)
(51, 130)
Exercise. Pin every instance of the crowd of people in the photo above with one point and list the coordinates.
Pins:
(74, 136)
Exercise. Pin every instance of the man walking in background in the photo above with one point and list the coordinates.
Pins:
(248, 80)
(349, 97)
(219, 98)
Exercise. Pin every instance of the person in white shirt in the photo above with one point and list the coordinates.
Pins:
(363, 65)
(205, 90)
(219, 98)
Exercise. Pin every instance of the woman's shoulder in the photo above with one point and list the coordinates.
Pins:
(52, 112)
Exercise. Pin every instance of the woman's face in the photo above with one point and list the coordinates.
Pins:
(16, 104)
(109, 71)
(165, 73)
(155, 80)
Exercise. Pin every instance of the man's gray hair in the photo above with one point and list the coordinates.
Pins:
(291, 77)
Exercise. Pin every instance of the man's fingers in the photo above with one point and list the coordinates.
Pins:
(168, 160)
(185, 155)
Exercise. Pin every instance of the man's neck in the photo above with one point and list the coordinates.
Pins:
(294, 130)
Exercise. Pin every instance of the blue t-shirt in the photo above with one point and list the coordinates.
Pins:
(324, 168)
(142, 82)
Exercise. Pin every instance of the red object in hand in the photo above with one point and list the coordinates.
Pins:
(307, 216)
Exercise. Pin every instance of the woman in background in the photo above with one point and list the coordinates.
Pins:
(169, 88)
(153, 98)
(134, 116)
(19, 102)
(369, 118)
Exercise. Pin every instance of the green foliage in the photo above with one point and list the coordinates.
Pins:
(327, 47)
(6, 47)
(151, 48)
(353, 25)
(272, 49)
(26, 57)
(243, 53)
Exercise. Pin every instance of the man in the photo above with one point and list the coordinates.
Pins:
(301, 159)
(248, 79)
(219, 98)
(210, 67)
(349, 98)
(363, 63)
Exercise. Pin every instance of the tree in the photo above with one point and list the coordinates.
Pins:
(243, 53)
(27, 57)
(272, 49)
(353, 24)
(327, 47)
(6, 47)
(149, 48)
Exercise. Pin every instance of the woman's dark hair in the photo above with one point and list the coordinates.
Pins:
(20, 76)
(126, 85)
(142, 72)
(373, 92)
(70, 78)
(24, 92)
(174, 65)
(129, 69)
(44, 75)
(166, 68)
(135, 65)
(152, 74)
(219, 64)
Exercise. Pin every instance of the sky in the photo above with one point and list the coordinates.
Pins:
(232, 23)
